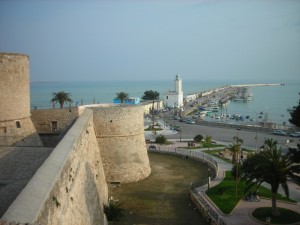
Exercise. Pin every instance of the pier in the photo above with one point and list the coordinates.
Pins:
(229, 92)
(257, 85)
(210, 106)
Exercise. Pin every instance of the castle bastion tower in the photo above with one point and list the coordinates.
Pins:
(120, 134)
(16, 127)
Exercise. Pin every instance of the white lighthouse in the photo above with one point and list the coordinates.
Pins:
(174, 98)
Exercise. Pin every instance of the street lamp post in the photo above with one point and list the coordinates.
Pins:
(174, 117)
(256, 127)
(180, 135)
(208, 177)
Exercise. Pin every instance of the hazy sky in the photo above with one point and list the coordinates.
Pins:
(144, 40)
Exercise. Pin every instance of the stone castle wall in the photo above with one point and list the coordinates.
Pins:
(105, 143)
(16, 128)
(120, 134)
(43, 119)
(19, 133)
(70, 187)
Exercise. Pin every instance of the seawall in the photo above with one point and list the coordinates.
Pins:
(70, 187)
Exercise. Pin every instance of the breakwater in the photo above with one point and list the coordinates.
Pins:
(246, 104)
(227, 87)
(257, 85)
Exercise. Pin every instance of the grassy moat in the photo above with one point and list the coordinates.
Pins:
(162, 198)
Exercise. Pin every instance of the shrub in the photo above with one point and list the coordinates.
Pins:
(161, 139)
(198, 138)
(113, 210)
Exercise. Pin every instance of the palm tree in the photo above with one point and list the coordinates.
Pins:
(61, 97)
(270, 166)
(235, 148)
(122, 96)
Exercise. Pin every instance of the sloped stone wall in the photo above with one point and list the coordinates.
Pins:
(70, 187)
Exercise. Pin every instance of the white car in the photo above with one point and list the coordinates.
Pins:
(279, 132)
(295, 134)
(190, 122)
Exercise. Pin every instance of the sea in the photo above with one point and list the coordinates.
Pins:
(268, 102)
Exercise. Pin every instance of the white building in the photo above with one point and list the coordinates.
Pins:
(174, 98)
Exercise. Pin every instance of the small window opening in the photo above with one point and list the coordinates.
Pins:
(18, 124)
(3, 130)
(54, 126)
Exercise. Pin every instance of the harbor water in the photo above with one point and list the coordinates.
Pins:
(268, 102)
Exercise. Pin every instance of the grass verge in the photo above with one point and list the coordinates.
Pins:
(226, 196)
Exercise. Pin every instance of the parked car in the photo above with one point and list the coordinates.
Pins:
(152, 147)
(295, 134)
(190, 122)
(183, 119)
(177, 128)
(279, 132)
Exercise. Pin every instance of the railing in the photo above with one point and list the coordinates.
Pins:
(206, 210)
(189, 153)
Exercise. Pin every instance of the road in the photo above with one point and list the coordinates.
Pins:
(226, 134)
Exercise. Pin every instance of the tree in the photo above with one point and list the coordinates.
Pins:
(151, 95)
(161, 139)
(208, 141)
(198, 138)
(61, 97)
(122, 96)
(235, 148)
(270, 166)
(294, 156)
(295, 115)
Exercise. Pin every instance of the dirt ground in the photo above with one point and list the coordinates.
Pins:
(162, 198)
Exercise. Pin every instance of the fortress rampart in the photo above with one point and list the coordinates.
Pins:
(70, 187)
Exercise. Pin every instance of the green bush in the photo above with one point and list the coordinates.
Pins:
(198, 138)
(161, 139)
(113, 210)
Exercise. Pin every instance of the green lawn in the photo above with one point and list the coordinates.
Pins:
(205, 145)
(225, 196)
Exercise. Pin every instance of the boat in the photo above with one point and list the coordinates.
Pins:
(244, 94)
(215, 109)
